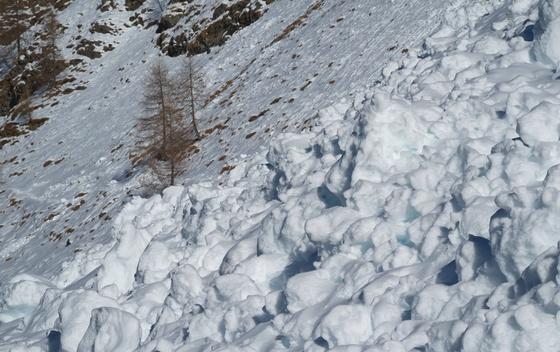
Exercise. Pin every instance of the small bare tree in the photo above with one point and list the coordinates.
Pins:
(163, 135)
(13, 26)
(51, 56)
(23, 111)
(19, 26)
(52, 28)
(190, 88)
(5, 59)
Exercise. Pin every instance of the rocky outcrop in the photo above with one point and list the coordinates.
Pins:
(92, 49)
(182, 30)
(133, 5)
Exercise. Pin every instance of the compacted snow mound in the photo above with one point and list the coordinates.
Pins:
(548, 47)
(111, 330)
(421, 216)
(135, 227)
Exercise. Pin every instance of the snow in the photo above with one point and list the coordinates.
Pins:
(97, 161)
(20, 296)
(539, 124)
(135, 227)
(307, 289)
(74, 314)
(547, 49)
(420, 213)
(338, 330)
(111, 329)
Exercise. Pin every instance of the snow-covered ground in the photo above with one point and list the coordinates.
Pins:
(421, 214)
(65, 183)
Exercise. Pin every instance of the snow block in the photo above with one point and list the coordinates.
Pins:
(540, 124)
(547, 46)
(346, 325)
(111, 329)
(74, 316)
(20, 296)
(306, 289)
(526, 225)
(140, 221)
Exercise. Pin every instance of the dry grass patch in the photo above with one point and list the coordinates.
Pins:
(300, 21)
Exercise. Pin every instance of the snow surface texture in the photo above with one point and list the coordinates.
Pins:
(421, 216)
(65, 183)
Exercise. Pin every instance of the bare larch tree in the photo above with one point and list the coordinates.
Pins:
(20, 26)
(163, 135)
(23, 110)
(51, 58)
(191, 87)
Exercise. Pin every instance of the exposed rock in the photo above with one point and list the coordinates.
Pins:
(103, 28)
(24, 78)
(107, 5)
(88, 48)
(133, 5)
(201, 34)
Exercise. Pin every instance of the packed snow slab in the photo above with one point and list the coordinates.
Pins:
(111, 330)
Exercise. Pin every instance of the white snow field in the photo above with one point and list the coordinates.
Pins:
(421, 214)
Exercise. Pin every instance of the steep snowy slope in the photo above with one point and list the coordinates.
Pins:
(419, 215)
(65, 182)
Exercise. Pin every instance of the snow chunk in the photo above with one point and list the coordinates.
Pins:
(524, 329)
(541, 124)
(267, 271)
(155, 263)
(185, 283)
(306, 289)
(235, 287)
(522, 7)
(526, 226)
(111, 329)
(547, 47)
(74, 316)
(22, 294)
(491, 45)
(346, 325)
(139, 222)
(329, 227)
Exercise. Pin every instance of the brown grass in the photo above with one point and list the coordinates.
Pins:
(227, 168)
(219, 91)
(305, 85)
(260, 114)
(298, 22)
(34, 124)
(10, 130)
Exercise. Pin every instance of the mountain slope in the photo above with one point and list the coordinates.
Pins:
(421, 215)
(64, 182)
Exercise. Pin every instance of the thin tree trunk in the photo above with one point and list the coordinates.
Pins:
(18, 19)
(191, 92)
(163, 118)
(171, 158)
(172, 183)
